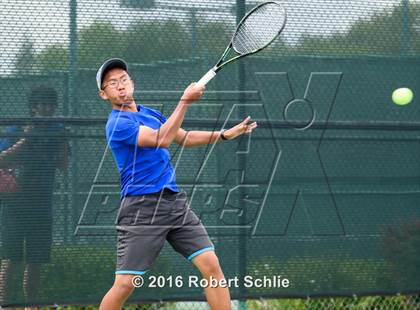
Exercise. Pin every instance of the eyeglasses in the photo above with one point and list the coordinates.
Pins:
(114, 82)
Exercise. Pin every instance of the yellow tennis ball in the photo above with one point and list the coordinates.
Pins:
(402, 96)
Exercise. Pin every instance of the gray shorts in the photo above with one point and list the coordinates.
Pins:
(145, 222)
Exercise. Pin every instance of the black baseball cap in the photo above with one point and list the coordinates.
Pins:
(108, 65)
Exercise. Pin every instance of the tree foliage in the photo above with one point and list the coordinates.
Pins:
(25, 57)
(99, 41)
(384, 33)
(148, 41)
(53, 58)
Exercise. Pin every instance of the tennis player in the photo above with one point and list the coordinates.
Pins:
(153, 208)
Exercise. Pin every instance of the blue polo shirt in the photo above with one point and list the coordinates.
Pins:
(143, 170)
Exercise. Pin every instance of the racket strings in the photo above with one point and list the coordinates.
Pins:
(259, 28)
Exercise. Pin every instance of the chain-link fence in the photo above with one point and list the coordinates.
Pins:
(325, 193)
(406, 302)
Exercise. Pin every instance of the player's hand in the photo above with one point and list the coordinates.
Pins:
(246, 126)
(192, 93)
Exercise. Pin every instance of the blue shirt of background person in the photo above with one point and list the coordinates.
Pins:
(6, 142)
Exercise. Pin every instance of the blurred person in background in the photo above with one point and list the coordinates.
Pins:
(26, 221)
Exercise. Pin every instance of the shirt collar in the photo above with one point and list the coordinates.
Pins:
(138, 106)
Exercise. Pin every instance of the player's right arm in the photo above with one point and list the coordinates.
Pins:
(166, 134)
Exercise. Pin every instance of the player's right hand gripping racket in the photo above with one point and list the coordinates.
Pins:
(256, 31)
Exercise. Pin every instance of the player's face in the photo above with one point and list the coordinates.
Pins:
(117, 87)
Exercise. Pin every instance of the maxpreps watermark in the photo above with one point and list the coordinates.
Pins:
(276, 281)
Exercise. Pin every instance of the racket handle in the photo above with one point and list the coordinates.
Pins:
(207, 77)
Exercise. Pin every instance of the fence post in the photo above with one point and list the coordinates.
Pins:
(406, 36)
(72, 101)
(240, 12)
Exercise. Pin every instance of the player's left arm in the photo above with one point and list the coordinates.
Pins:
(197, 138)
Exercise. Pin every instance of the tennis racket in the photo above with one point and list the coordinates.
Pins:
(255, 31)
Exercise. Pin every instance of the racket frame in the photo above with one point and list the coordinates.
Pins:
(220, 64)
